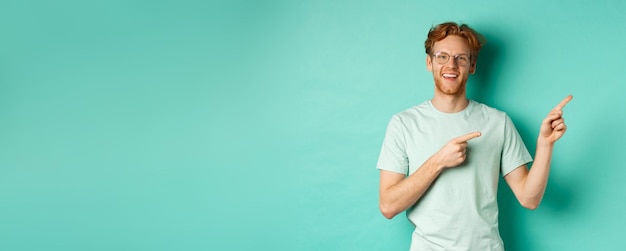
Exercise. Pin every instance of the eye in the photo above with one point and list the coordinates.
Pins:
(442, 56)
(462, 58)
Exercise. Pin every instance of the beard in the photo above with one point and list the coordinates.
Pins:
(450, 89)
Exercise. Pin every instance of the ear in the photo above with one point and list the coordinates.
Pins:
(472, 68)
(429, 63)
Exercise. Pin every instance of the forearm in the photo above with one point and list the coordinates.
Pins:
(402, 195)
(397, 193)
(537, 179)
(529, 186)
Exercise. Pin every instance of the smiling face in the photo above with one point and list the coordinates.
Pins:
(450, 78)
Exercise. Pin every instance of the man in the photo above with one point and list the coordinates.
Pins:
(440, 160)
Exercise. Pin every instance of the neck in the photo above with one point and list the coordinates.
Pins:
(450, 103)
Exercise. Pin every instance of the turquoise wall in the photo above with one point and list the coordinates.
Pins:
(256, 125)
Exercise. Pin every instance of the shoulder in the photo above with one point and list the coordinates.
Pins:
(413, 112)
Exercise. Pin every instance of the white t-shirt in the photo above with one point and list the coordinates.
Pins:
(459, 211)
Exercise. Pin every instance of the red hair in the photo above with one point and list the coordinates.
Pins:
(441, 31)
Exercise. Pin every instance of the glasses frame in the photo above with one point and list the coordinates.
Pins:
(456, 58)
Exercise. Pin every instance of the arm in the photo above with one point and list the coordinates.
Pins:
(397, 192)
(530, 186)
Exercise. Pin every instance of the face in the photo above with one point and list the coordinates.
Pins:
(450, 78)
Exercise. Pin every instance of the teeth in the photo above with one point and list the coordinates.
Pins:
(450, 75)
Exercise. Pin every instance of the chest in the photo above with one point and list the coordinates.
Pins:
(426, 137)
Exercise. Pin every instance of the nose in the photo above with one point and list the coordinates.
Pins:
(452, 63)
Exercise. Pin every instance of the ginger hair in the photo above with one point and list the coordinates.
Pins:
(441, 31)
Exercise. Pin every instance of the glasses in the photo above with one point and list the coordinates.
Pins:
(460, 59)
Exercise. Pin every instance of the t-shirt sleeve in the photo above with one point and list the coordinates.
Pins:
(514, 152)
(393, 155)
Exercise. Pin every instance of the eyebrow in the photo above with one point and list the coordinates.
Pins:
(467, 54)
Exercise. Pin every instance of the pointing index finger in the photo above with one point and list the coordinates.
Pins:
(467, 137)
(563, 102)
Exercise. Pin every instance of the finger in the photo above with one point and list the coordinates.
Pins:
(560, 127)
(564, 102)
(467, 137)
(554, 114)
(557, 122)
(462, 145)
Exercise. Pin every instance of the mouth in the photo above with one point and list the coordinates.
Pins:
(450, 76)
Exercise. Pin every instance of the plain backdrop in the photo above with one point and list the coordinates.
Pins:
(256, 125)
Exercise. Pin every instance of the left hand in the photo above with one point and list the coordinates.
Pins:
(553, 126)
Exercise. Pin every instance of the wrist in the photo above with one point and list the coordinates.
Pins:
(435, 164)
(542, 142)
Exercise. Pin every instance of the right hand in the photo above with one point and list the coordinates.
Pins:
(454, 152)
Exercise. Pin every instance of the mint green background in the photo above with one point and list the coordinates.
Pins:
(256, 125)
